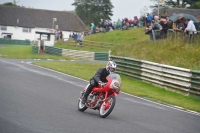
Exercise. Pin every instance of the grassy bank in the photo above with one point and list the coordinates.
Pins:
(163, 51)
(116, 38)
(23, 52)
(134, 43)
(129, 85)
(72, 45)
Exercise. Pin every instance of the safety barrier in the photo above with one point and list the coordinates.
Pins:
(75, 54)
(175, 78)
(53, 50)
(101, 56)
(35, 49)
(11, 41)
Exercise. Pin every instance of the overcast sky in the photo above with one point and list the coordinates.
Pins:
(122, 8)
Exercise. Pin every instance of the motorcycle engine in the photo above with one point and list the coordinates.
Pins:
(91, 98)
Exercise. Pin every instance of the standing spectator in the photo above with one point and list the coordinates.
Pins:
(149, 18)
(81, 39)
(61, 34)
(78, 37)
(123, 23)
(107, 26)
(114, 25)
(57, 35)
(119, 24)
(92, 28)
(143, 19)
(75, 36)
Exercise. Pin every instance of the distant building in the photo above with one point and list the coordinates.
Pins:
(25, 23)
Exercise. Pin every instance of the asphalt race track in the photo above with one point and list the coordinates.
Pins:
(37, 100)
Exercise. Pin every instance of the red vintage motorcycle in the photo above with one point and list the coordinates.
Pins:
(102, 98)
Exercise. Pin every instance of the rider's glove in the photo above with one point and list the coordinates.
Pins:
(102, 84)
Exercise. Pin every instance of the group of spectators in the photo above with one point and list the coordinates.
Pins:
(162, 24)
(122, 24)
(158, 24)
(59, 35)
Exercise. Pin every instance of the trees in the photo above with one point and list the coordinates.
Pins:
(93, 11)
(9, 4)
(180, 3)
(195, 5)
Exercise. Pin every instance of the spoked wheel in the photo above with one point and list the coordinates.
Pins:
(81, 107)
(107, 107)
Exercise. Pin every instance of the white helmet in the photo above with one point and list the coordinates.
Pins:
(111, 64)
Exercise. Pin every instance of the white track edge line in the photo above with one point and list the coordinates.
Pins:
(175, 107)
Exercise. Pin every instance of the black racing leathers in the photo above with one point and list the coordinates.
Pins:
(100, 75)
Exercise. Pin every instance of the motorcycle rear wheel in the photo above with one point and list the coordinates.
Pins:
(81, 107)
(103, 112)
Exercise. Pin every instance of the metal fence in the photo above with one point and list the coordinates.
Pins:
(175, 78)
(12, 41)
(189, 37)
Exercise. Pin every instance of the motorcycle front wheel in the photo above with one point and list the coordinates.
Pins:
(107, 107)
(81, 107)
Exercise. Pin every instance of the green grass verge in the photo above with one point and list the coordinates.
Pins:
(23, 52)
(129, 85)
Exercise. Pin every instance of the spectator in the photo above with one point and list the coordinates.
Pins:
(130, 23)
(123, 22)
(149, 18)
(143, 19)
(114, 25)
(107, 26)
(78, 37)
(119, 24)
(135, 21)
(190, 27)
(148, 28)
(126, 24)
(61, 34)
(70, 35)
(181, 25)
(181, 20)
(81, 39)
(75, 36)
(57, 35)
(156, 25)
(92, 28)
(165, 26)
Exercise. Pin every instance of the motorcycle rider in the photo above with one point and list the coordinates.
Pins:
(99, 78)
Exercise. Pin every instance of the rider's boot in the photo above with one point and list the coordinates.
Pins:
(85, 97)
